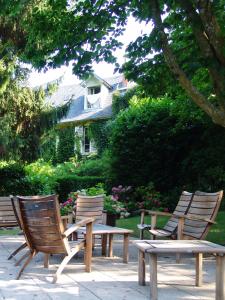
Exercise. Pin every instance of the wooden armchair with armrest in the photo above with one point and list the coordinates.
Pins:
(44, 232)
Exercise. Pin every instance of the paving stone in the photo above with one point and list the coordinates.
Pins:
(110, 278)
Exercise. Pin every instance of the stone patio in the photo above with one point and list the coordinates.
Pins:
(110, 279)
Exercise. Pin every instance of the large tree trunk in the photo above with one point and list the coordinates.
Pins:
(215, 111)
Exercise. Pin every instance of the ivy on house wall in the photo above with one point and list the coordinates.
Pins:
(99, 133)
(65, 145)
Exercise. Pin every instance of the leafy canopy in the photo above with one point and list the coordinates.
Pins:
(187, 39)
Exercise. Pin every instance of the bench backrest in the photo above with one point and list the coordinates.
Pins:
(90, 206)
(181, 209)
(203, 205)
(7, 216)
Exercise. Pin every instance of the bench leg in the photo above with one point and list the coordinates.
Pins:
(153, 276)
(125, 247)
(141, 267)
(110, 253)
(104, 244)
(220, 277)
(198, 269)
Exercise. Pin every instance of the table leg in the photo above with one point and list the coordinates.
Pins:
(110, 250)
(220, 277)
(153, 276)
(198, 269)
(125, 247)
(141, 267)
(104, 244)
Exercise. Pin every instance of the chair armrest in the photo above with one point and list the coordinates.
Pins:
(158, 213)
(76, 226)
(194, 218)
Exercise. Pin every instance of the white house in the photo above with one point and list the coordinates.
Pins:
(90, 101)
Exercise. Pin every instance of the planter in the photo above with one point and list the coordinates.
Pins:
(111, 219)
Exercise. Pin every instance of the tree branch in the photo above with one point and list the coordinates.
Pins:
(208, 53)
(216, 115)
(212, 29)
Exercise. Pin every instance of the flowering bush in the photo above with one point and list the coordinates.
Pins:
(121, 193)
(113, 206)
(67, 207)
(150, 198)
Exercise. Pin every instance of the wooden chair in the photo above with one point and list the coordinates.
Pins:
(44, 232)
(195, 221)
(200, 217)
(17, 216)
(170, 228)
(7, 216)
(90, 206)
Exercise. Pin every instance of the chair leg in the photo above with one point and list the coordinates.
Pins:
(22, 258)
(46, 260)
(62, 266)
(31, 256)
(21, 247)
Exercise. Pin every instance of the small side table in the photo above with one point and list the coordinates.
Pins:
(196, 247)
(107, 233)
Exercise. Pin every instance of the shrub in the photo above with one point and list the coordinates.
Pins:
(91, 167)
(13, 180)
(155, 141)
(70, 183)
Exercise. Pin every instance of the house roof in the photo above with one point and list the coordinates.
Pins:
(75, 94)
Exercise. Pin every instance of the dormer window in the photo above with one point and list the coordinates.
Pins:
(94, 90)
(93, 97)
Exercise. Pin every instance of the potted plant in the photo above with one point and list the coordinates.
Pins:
(115, 209)
(66, 210)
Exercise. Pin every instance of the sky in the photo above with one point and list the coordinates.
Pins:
(102, 69)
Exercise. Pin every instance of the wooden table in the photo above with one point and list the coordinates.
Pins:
(107, 233)
(197, 247)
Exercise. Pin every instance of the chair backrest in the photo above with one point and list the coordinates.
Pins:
(7, 216)
(42, 225)
(181, 209)
(203, 205)
(90, 206)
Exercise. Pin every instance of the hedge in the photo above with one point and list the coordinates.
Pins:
(72, 183)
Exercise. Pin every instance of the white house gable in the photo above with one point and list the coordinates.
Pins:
(96, 93)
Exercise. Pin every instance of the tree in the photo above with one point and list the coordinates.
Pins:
(187, 38)
(25, 117)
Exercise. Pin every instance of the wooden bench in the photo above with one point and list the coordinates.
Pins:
(7, 216)
(198, 248)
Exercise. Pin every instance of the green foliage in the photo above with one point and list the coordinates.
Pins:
(98, 189)
(25, 117)
(116, 207)
(154, 140)
(13, 180)
(65, 147)
(42, 175)
(67, 207)
(98, 131)
(92, 167)
(66, 184)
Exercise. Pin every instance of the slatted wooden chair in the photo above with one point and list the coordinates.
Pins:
(90, 206)
(200, 217)
(170, 228)
(195, 221)
(44, 232)
(17, 216)
(7, 216)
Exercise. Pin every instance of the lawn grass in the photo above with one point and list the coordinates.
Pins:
(216, 234)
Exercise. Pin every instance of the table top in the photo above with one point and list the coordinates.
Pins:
(101, 229)
(178, 246)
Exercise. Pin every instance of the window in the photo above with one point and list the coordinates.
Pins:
(94, 90)
(86, 141)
